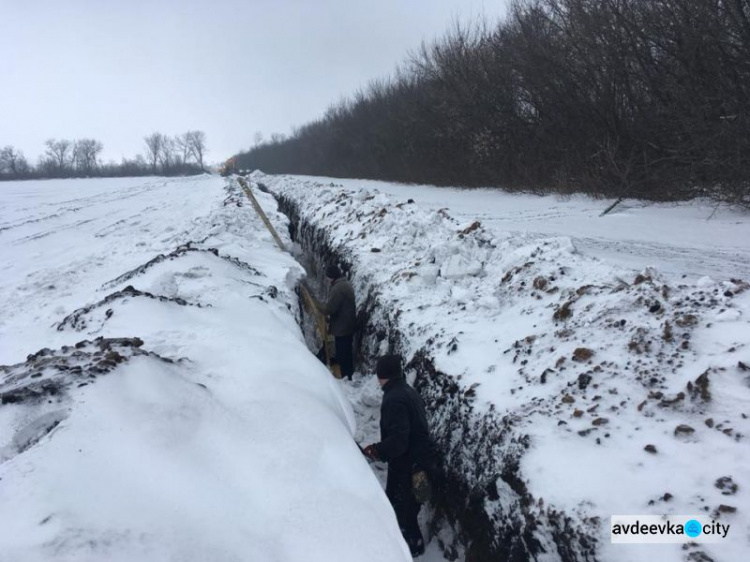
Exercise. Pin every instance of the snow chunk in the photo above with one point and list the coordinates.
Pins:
(458, 266)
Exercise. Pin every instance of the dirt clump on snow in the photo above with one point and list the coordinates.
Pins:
(49, 373)
(80, 319)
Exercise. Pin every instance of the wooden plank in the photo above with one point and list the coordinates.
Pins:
(320, 321)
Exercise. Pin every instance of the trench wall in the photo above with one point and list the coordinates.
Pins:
(484, 498)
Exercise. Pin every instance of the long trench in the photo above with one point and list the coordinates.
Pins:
(469, 504)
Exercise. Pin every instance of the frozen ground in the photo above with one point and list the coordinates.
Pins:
(157, 399)
(614, 390)
(691, 238)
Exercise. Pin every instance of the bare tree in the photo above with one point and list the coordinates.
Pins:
(182, 154)
(182, 147)
(86, 154)
(636, 98)
(197, 145)
(60, 153)
(154, 148)
(13, 162)
(169, 155)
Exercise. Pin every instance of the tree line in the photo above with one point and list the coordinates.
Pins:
(181, 154)
(637, 98)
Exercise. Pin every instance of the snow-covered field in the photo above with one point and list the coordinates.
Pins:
(577, 386)
(689, 238)
(191, 422)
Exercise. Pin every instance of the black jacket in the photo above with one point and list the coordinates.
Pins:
(341, 308)
(405, 440)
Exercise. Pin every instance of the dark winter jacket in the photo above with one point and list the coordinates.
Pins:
(405, 440)
(341, 308)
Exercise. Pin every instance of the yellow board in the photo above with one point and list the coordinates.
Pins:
(320, 321)
(331, 352)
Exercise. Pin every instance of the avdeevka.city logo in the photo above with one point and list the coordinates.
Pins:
(639, 529)
(693, 528)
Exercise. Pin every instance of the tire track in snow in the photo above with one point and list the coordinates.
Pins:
(39, 235)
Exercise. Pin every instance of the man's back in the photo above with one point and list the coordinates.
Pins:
(406, 445)
(405, 436)
(342, 308)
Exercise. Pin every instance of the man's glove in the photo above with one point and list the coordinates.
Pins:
(371, 453)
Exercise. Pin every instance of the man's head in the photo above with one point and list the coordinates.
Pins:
(333, 272)
(388, 368)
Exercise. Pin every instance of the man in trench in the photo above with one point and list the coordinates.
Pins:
(341, 309)
(407, 447)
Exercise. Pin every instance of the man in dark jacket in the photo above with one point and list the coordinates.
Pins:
(341, 309)
(405, 444)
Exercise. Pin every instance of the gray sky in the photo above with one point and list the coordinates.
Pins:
(117, 70)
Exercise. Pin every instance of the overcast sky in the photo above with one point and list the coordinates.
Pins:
(117, 70)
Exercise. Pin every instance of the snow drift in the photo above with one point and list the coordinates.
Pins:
(173, 411)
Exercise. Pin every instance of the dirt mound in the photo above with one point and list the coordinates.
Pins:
(47, 374)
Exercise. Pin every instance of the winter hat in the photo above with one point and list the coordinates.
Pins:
(333, 272)
(389, 367)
